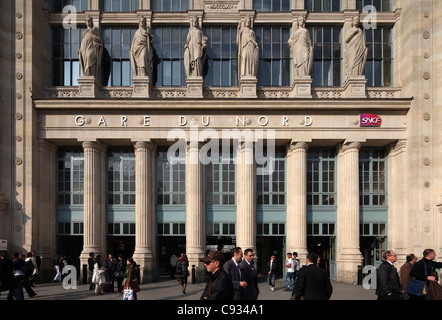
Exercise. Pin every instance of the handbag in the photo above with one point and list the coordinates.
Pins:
(128, 294)
(417, 287)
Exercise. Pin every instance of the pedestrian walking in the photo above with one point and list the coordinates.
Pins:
(388, 282)
(110, 272)
(91, 263)
(131, 281)
(250, 276)
(289, 280)
(232, 268)
(296, 265)
(219, 284)
(37, 262)
(404, 275)
(425, 270)
(182, 272)
(272, 266)
(7, 279)
(313, 282)
(19, 275)
(173, 265)
(99, 275)
(56, 263)
(120, 269)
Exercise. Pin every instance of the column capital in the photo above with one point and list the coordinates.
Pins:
(43, 143)
(297, 145)
(143, 145)
(348, 145)
(91, 145)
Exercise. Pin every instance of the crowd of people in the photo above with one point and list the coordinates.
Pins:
(232, 278)
(394, 285)
(236, 277)
(19, 274)
(104, 274)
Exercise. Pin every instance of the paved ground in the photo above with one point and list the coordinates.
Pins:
(166, 289)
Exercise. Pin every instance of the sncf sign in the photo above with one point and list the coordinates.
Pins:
(370, 120)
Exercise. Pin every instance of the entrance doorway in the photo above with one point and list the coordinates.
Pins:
(124, 245)
(167, 246)
(71, 247)
(325, 247)
(372, 249)
(266, 247)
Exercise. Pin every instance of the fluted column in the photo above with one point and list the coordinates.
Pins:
(144, 253)
(348, 254)
(93, 202)
(297, 199)
(246, 198)
(195, 209)
(46, 206)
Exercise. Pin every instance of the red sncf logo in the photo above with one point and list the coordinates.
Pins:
(370, 120)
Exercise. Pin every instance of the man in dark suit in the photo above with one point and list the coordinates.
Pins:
(271, 271)
(250, 276)
(388, 283)
(231, 267)
(313, 282)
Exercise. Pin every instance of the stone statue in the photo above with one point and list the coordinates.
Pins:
(141, 54)
(91, 50)
(195, 50)
(248, 49)
(355, 51)
(301, 50)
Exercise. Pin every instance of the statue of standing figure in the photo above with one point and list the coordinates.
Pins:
(91, 50)
(356, 51)
(141, 54)
(301, 49)
(248, 49)
(195, 50)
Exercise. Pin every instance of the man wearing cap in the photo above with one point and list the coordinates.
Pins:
(219, 285)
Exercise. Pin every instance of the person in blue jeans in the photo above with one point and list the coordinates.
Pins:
(289, 277)
(271, 272)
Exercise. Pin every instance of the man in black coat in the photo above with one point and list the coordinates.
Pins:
(219, 285)
(388, 282)
(7, 279)
(272, 266)
(425, 269)
(313, 282)
(232, 268)
(250, 275)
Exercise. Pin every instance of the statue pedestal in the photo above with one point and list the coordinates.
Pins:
(195, 87)
(89, 87)
(247, 87)
(141, 87)
(302, 87)
(354, 87)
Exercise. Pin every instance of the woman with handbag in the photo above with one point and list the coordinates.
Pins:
(182, 270)
(99, 275)
(131, 278)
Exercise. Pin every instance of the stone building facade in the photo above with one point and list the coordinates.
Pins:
(357, 162)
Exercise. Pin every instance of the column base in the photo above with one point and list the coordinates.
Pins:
(195, 87)
(200, 269)
(247, 87)
(147, 266)
(141, 87)
(347, 267)
(355, 87)
(302, 87)
(89, 87)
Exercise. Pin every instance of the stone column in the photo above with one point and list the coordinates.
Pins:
(397, 207)
(246, 199)
(46, 206)
(195, 210)
(349, 256)
(297, 199)
(144, 181)
(93, 202)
